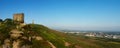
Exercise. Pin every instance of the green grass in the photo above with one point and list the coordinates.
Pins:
(57, 38)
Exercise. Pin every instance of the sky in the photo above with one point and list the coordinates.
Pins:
(97, 15)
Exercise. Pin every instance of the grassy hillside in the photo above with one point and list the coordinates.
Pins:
(59, 39)
(54, 38)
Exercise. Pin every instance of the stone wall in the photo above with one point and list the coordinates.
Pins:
(19, 17)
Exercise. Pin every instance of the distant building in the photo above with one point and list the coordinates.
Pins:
(19, 17)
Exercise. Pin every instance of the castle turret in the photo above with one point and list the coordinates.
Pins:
(19, 17)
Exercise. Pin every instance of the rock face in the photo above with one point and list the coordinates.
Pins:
(37, 37)
(67, 44)
(16, 44)
(26, 46)
(17, 37)
(6, 43)
(15, 33)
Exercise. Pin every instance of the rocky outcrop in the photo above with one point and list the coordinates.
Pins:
(6, 43)
(67, 44)
(37, 37)
(14, 34)
(26, 46)
(16, 44)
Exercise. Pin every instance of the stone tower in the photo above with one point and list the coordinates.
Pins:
(19, 17)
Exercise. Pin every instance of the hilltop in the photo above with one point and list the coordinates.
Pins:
(13, 35)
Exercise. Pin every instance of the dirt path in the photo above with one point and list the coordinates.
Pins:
(51, 44)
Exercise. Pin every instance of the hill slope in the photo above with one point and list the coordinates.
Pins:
(38, 36)
(61, 40)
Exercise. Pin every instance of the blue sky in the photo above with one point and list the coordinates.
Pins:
(103, 15)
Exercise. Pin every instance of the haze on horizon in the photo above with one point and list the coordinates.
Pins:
(102, 15)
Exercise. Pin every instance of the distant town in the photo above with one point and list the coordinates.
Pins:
(111, 35)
